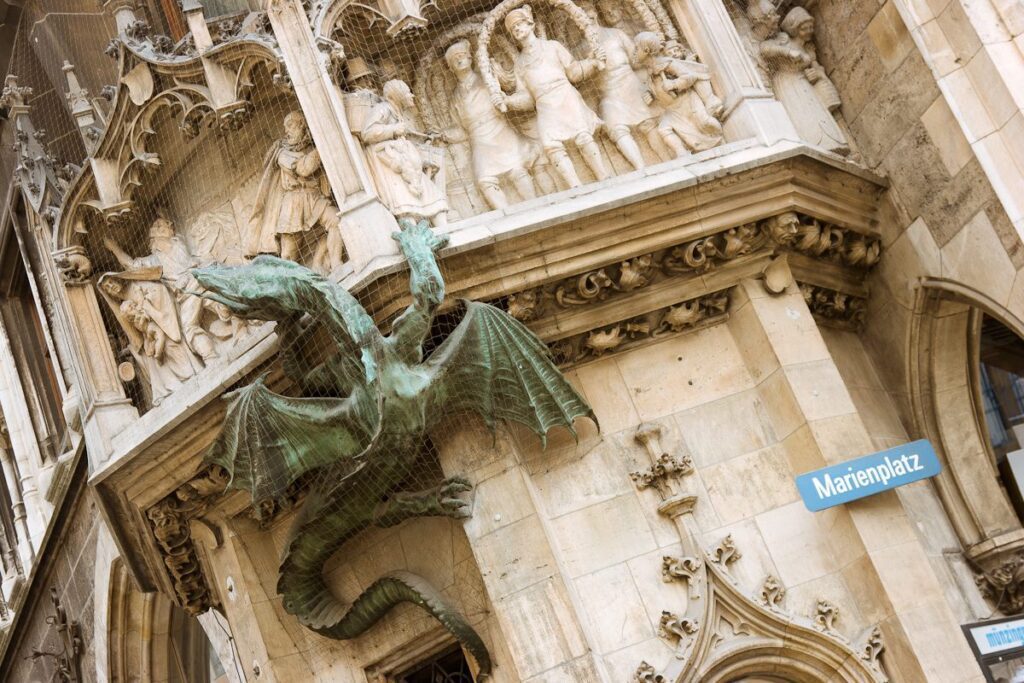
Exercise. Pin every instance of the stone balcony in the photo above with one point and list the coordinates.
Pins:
(533, 246)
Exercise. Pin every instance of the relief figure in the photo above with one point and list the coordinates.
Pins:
(405, 172)
(800, 83)
(545, 73)
(171, 261)
(145, 310)
(623, 105)
(498, 150)
(293, 203)
(686, 125)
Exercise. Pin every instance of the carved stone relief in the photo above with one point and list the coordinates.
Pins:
(293, 213)
(525, 98)
(170, 520)
(789, 57)
(171, 331)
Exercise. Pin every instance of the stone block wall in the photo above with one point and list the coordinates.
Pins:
(71, 570)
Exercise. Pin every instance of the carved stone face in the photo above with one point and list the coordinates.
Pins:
(610, 12)
(294, 129)
(805, 31)
(521, 30)
(459, 59)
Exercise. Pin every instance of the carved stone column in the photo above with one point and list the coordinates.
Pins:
(752, 110)
(27, 458)
(519, 562)
(366, 225)
(882, 561)
(107, 410)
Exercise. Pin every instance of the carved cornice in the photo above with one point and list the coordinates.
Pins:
(170, 521)
(642, 329)
(607, 287)
(835, 308)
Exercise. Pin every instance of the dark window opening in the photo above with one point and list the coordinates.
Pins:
(1001, 389)
(448, 667)
(24, 327)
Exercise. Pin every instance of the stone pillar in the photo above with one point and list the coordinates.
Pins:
(23, 446)
(752, 110)
(532, 599)
(881, 560)
(107, 410)
(366, 224)
(123, 11)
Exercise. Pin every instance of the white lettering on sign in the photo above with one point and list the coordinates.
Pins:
(827, 486)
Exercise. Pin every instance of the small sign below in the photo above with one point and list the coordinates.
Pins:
(868, 475)
(997, 637)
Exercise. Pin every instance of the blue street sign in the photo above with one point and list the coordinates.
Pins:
(867, 476)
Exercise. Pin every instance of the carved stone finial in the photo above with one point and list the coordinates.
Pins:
(645, 673)
(725, 553)
(664, 465)
(13, 95)
(826, 615)
(682, 568)
(871, 650)
(772, 593)
(677, 629)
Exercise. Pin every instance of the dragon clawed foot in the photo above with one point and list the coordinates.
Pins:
(439, 501)
(418, 235)
(446, 495)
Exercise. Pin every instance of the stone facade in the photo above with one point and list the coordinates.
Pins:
(758, 238)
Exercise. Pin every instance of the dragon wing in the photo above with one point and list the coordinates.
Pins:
(494, 366)
(268, 440)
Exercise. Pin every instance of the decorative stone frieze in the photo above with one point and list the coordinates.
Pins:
(834, 307)
(682, 569)
(615, 282)
(628, 334)
(169, 520)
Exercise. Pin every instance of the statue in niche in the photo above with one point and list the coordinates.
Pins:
(686, 124)
(623, 104)
(168, 267)
(293, 203)
(545, 74)
(145, 309)
(498, 150)
(800, 83)
(406, 178)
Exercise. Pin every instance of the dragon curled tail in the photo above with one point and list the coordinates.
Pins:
(342, 622)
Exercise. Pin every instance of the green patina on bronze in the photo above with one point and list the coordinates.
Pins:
(363, 417)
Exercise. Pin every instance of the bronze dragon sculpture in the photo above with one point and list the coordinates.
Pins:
(362, 416)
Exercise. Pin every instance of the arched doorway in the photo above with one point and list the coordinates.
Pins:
(151, 640)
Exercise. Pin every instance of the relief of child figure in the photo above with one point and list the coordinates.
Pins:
(686, 125)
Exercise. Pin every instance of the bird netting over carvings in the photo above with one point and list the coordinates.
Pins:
(457, 110)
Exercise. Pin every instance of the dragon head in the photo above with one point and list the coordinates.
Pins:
(255, 290)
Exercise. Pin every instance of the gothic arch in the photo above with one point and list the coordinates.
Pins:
(942, 354)
(143, 630)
